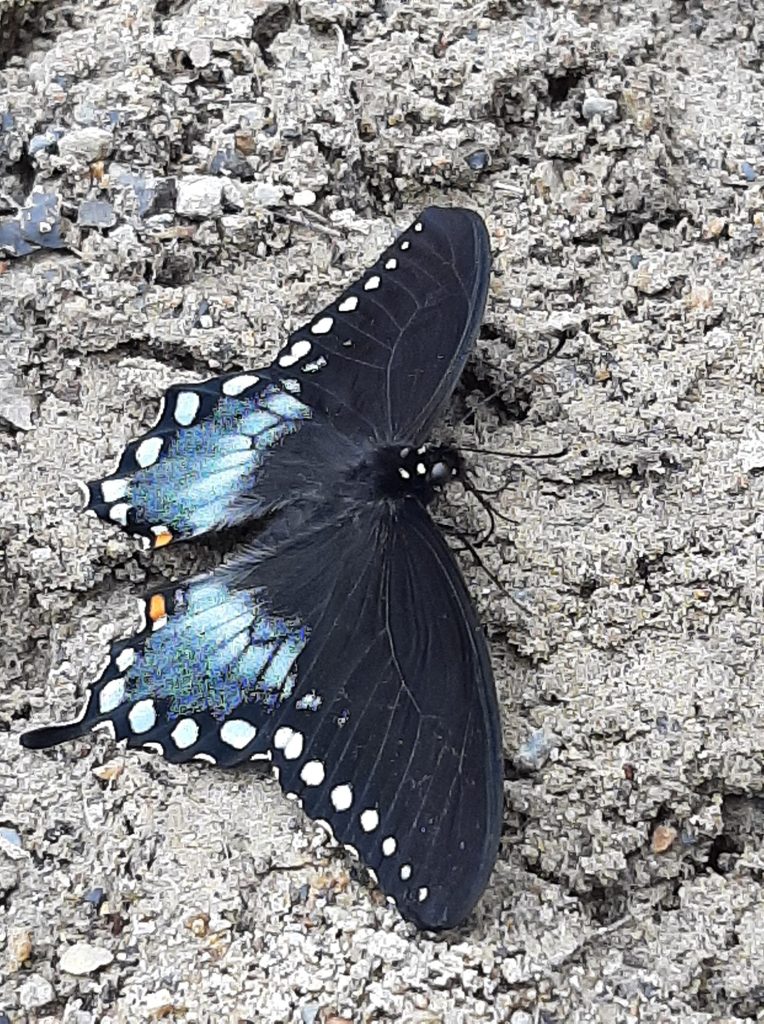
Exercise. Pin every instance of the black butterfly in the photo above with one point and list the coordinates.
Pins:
(342, 644)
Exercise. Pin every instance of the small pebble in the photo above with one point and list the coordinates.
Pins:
(747, 171)
(663, 838)
(199, 196)
(96, 213)
(87, 144)
(305, 197)
(309, 1013)
(82, 958)
(19, 949)
(95, 897)
(598, 106)
(479, 160)
(36, 992)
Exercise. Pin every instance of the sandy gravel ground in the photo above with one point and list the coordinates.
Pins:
(181, 184)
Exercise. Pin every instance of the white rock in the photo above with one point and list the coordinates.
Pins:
(82, 958)
(88, 144)
(36, 992)
(305, 197)
(267, 195)
(200, 196)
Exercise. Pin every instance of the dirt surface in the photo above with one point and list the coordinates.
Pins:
(181, 184)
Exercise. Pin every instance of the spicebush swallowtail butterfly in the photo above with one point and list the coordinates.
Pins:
(341, 643)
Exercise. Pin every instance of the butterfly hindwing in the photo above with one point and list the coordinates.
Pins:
(348, 655)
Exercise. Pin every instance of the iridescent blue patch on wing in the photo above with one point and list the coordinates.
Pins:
(195, 482)
(219, 650)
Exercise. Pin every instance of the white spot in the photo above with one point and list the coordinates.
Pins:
(237, 733)
(142, 716)
(326, 827)
(404, 453)
(372, 284)
(185, 734)
(369, 820)
(113, 490)
(315, 364)
(405, 245)
(404, 473)
(298, 351)
(292, 386)
(291, 796)
(154, 748)
(405, 872)
(372, 875)
(262, 756)
(125, 659)
(236, 385)
(111, 696)
(322, 326)
(422, 894)
(418, 226)
(118, 513)
(391, 264)
(422, 450)
(293, 749)
(282, 737)
(341, 797)
(208, 758)
(392, 901)
(107, 726)
(349, 304)
(186, 407)
(312, 773)
(276, 774)
(351, 850)
(148, 451)
(421, 468)
(389, 846)
(158, 624)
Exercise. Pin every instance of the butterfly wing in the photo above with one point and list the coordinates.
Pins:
(373, 367)
(385, 356)
(348, 653)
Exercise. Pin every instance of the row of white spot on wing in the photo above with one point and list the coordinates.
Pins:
(299, 350)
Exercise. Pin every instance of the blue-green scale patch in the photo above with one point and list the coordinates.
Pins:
(194, 484)
(221, 650)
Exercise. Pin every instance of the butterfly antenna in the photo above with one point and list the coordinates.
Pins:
(514, 455)
(531, 369)
(482, 499)
(469, 546)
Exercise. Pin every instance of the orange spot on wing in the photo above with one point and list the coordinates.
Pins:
(157, 608)
(163, 538)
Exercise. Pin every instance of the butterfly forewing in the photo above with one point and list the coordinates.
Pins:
(384, 357)
(375, 366)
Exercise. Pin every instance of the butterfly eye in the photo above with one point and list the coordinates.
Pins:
(440, 473)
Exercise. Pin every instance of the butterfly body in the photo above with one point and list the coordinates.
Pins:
(340, 644)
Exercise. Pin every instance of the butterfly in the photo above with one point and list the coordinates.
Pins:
(340, 643)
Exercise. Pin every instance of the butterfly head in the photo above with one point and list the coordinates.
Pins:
(421, 472)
